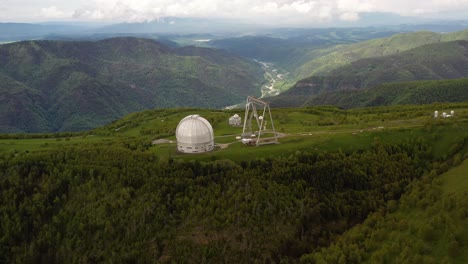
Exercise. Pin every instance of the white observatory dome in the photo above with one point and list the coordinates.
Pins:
(194, 135)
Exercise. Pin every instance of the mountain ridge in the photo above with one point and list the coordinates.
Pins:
(414, 92)
(84, 84)
(328, 59)
(446, 60)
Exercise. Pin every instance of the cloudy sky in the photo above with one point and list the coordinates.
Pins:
(267, 11)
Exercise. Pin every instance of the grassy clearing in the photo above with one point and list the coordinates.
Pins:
(26, 145)
(306, 129)
(455, 183)
(429, 224)
(456, 179)
(442, 138)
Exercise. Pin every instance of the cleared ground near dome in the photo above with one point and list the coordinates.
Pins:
(306, 129)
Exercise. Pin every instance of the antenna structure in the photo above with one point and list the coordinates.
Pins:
(255, 131)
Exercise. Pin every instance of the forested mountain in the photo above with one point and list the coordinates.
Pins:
(319, 52)
(447, 60)
(428, 222)
(69, 86)
(110, 195)
(288, 48)
(416, 92)
(24, 31)
(105, 204)
(322, 61)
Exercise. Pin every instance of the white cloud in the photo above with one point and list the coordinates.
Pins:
(262, 10)
(414, 7)
(258, 10)
(349, 16)
(267, 8)
(54, 13)
(303, 7)
(356, 5)
(325, 12)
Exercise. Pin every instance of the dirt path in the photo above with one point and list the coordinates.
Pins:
(161, 141)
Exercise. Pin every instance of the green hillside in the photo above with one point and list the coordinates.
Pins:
(70, 86)
(325, 60)
(109, 195)
(289, 48)
(428, 225)
(416, 92)
(20, 99)
(448, 60)
(317, 52)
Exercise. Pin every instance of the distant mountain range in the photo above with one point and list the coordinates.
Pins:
(322, 61)
(53, 85)
(289, 48)
(28, 31)
(402, 57)
(231, 27)
(68, 86)
(180, 25)
(318, 52)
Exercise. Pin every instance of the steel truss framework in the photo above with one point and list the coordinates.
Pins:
(255, 125)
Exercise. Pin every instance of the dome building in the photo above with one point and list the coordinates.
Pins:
(194, 135)
(235, 120)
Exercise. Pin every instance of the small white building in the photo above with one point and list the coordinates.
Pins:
(194, 135)
(444, 114)
(235, 120)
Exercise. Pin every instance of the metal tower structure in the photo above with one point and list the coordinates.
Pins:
(256, 131)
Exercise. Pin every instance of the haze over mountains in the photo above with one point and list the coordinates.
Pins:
(14, 31)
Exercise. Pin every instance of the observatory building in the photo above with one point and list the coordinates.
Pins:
(235, 120)
(194, 135)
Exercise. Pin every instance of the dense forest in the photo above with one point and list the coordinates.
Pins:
(399, 93)
(120, 204)
(427, 225)
(51, 86)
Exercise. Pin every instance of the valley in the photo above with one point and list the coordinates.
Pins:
(449, 61)
(273, 76)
